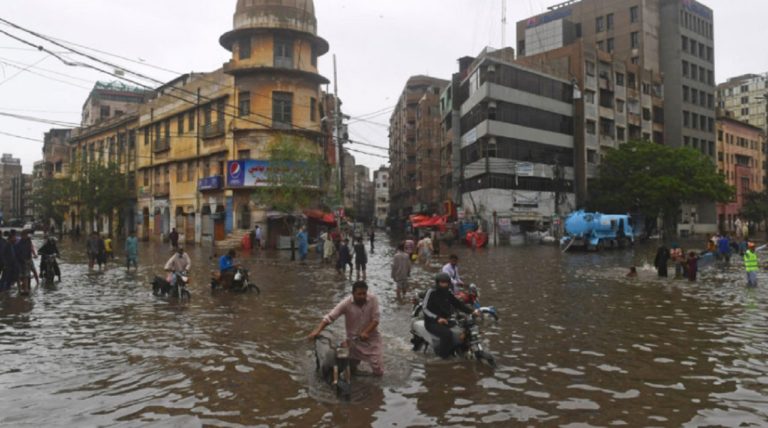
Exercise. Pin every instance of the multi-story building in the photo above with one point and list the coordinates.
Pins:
(56, 153)
(740, 158)
(21, 191)
(744, 98)
(364, 194)
(111, 99)
(275, 50)
(10, 169)
(666, 45)
(381, 203)
(513, 130)
(414, 148)
(348, 180)
(110, 141)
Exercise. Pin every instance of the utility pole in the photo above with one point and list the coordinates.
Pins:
(503, 23)
(337, 133)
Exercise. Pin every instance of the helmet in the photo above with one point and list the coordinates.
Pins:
(751, 245)
(442, 277)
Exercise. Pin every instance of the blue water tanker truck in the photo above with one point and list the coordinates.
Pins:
(596, 231)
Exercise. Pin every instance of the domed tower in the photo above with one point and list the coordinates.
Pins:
(275, 47)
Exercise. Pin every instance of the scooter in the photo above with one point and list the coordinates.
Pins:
(163, 288)
(334, 365)
(471, 347)
(240, 283)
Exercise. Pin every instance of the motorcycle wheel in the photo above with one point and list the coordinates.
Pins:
(186, 296)
(254, 287)
(486, 357)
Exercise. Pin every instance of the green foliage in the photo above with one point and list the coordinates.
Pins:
(295, 176)
(100, 189)
(50, 199)
(755, 206)
(655, 179)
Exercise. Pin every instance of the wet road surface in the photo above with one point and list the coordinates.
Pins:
(577, 343)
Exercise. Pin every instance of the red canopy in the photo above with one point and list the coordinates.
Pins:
(422, 221)
(321, 216)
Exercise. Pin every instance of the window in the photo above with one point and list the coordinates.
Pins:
(244, 104)
(610, 45)
(710, 101)
(702, 75)
(710, 77)
(646, 114)
(631, 80)
(744, 88)
(685, 44)
(702, 99)
(244, 48)
(282, 110)
(693, 47)
(146, 135)
(703, 122)
(313, 109)
(709, 53)
(180, 123)
(207, 113)
(745, 111)
(634, 14)
(686, 93)
(180, 173)
(619, 79)
(634, 40)
(590, 68)
(694, 72)
(104, 113)
(591, 127)
(710, 124)
(685, 69)
(599, 24)
(609, 21)
(191, 171)
(695, 96)
(314, 55)
(191, 120)
(589, 97)
(146, 178)
(702, 51)
(745, 100)
(243, 154)
(283, 52)
(686, 119)
(620, 106)
(600, 45)
(620, 133)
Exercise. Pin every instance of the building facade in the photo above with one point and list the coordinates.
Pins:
(56, 153)
(414, 147)
(111, 99)
(381, 203)
(515, 142)
(740, 158)
(744, 98)
(364, 195)
(10, 170)
(667, 46)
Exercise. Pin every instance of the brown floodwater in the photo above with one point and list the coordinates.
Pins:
(577, 344)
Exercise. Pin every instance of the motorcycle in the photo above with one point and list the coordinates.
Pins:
(471, 347)
(47, 272)
(240, 283)
(334, 365)
(163, 288)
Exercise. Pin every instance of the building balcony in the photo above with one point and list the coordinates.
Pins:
(162, 190)
(213, 129)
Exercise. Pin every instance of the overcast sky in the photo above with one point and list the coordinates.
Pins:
(378, 43)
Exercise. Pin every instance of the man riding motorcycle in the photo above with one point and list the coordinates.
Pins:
(178, 263)
(439, 305)
(227, 269)
(48, 253)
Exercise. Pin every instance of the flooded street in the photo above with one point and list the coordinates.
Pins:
(576, 343)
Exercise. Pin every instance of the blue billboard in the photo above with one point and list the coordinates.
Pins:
(247, 173)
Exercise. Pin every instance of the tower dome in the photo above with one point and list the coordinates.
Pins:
(271, 15)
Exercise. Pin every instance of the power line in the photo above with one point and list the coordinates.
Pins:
(27, 69)
(40, 120)
(2, 82)
(19, 137)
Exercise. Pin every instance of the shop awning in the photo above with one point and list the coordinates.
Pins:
(321, 216)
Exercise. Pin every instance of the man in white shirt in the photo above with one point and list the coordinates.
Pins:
(452, 269)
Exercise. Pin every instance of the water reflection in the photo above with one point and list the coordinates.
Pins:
(576, 342)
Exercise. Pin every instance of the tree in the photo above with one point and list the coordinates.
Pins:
(755, 207)
(101, 190)
(294, 180)
(655, 180)
(50, 200)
